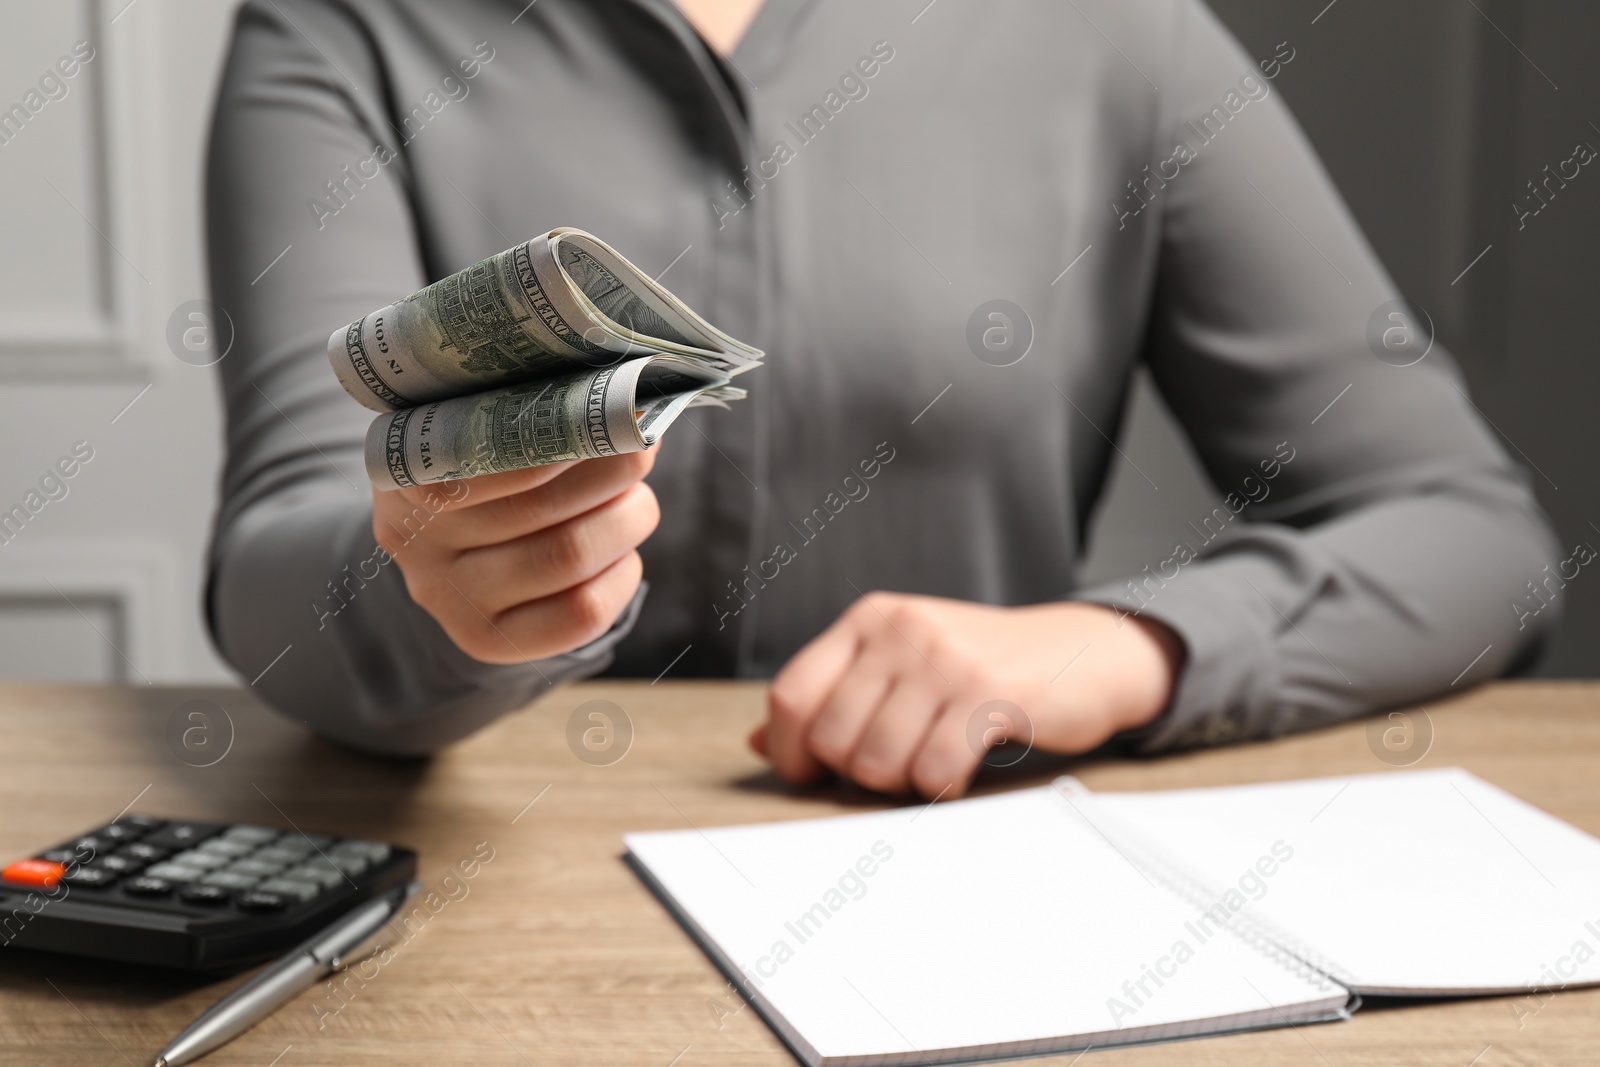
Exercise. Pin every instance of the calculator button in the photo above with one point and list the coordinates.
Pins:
(327, 877)
(250, 835)
(204, 894)
(182, 834)
(350, 865)
(230, 850)
(371, 851)
(142, 851)
(90, 877)
(230, 880)
(310, 842)
(345, 864)
(291, 887)
(44, 873)
(118, 831)
(92, 846)
(204, 860)
(145, 886)
(61, 855)
(253, 866)
(259, 901)
(119, 864)
(175, 872)
(273, 854)
(144, 822)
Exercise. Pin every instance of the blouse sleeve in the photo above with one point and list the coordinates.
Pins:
(301, 600)
(1376, 539)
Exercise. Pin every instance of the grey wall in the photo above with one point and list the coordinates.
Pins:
(1432, 115)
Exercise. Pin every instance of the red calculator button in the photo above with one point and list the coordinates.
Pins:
(44, 873)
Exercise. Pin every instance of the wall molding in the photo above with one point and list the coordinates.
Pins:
(118, 90)
(139, 577)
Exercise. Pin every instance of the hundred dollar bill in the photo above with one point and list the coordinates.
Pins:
(605, 411)
(559, 303)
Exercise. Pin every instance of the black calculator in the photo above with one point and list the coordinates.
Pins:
(193, 895)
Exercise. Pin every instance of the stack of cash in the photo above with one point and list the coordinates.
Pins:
(554, 350)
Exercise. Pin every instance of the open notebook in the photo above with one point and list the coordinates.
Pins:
(1053, 919)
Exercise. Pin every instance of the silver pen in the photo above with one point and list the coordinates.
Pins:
(280, 983)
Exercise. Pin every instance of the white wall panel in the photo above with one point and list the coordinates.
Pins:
(100, 239)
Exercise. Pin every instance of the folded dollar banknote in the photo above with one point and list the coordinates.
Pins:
(554, 350)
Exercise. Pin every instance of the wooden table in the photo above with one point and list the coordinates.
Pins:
(555, 953)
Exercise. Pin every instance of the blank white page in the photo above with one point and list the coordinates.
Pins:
(1411, 882)
(1001, 925)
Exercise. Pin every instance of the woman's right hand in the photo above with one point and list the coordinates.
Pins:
(527, 564)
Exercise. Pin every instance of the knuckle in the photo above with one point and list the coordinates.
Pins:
(648, 508)
(385, 526)
(526, 509)
(467, 639)
(861, 610)
(567, 548)
(910, 616)
(424, 586)
(477, 640)
(913, 638)
(831, 746)
(465, 625)
(435, 502)
(787, 712)
(877, 604)
(589, 611)
(953, 656)
(638, 464)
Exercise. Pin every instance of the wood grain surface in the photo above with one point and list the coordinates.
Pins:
(554, 953)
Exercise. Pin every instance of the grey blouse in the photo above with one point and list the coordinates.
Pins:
(956, 228)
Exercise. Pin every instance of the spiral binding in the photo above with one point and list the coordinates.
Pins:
(1276, 944)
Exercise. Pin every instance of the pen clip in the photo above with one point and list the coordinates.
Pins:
(360, 927)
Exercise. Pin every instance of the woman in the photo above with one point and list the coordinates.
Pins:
(851, 186)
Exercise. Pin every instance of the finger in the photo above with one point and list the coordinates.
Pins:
(581, 488)
(882, 759)
(467, 492)
(549, 561)
(783, 745)
(556, 624)
(837, 729)
(758, 740)
(798, 694)
(946, 761)
(811, 674)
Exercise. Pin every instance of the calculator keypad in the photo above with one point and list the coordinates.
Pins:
(259, 868)
(200, 896)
